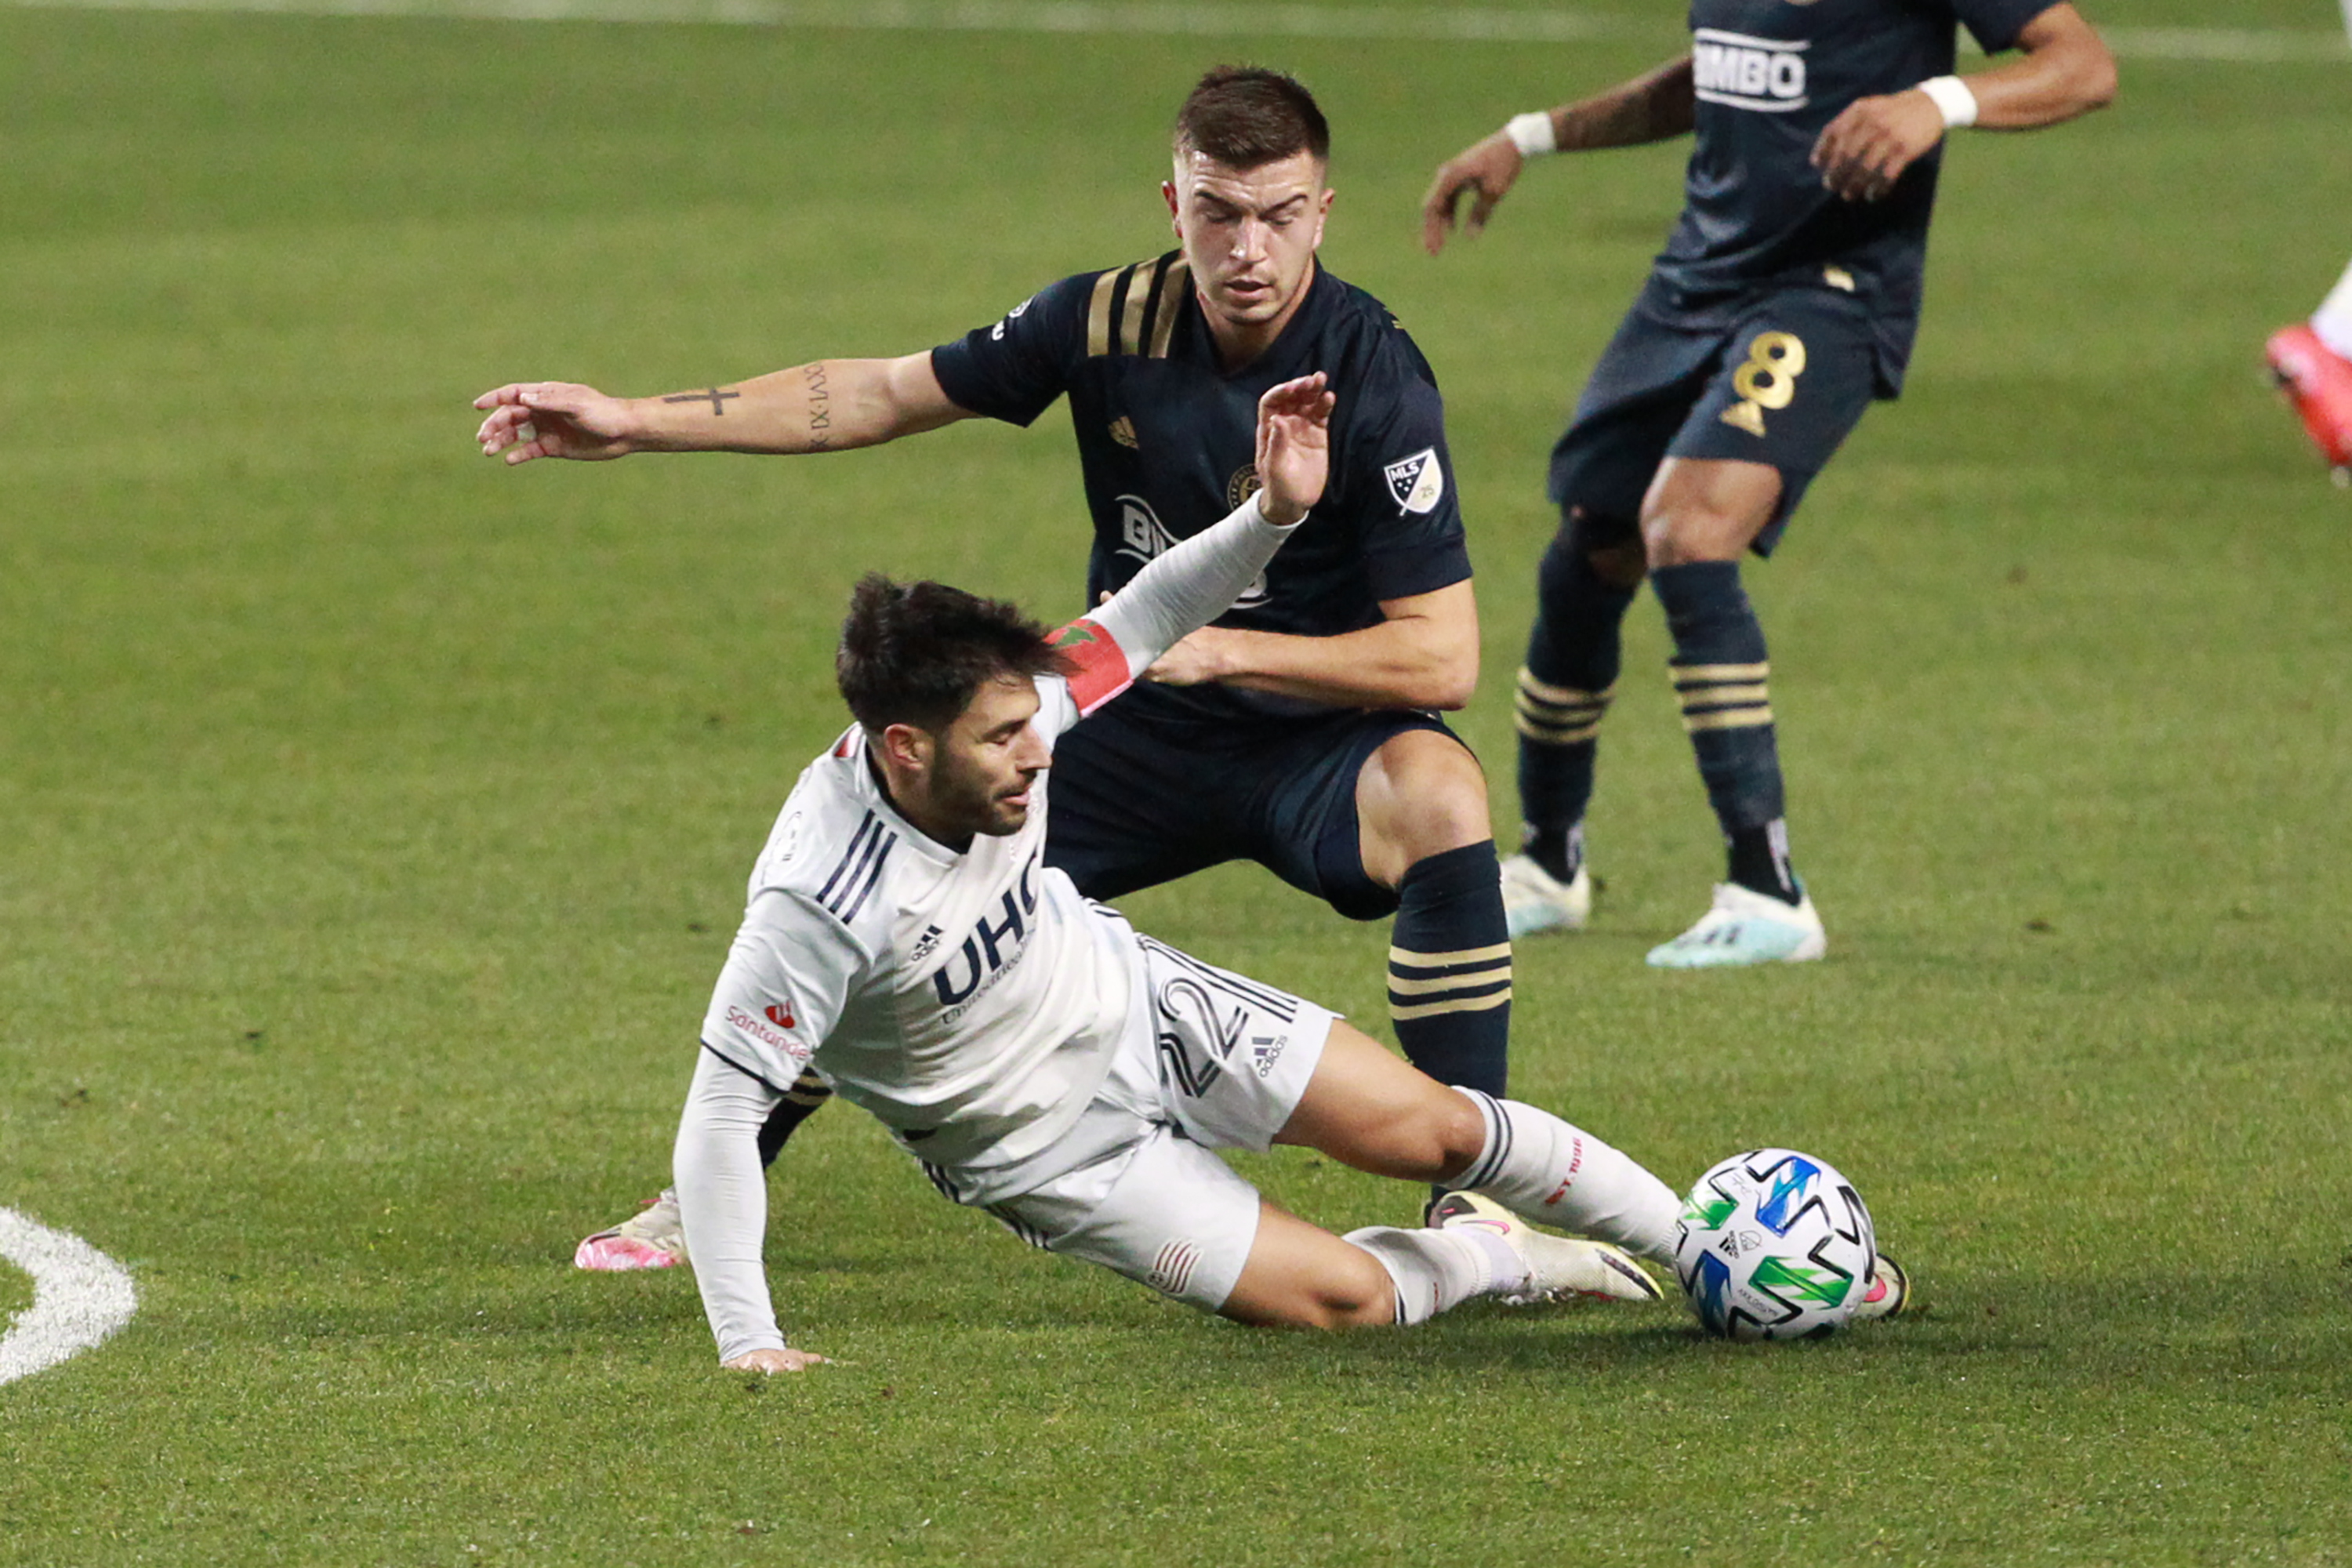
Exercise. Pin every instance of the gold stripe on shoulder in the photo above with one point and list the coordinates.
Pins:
(1175, 282)
(1098, 315)
(1130, 315)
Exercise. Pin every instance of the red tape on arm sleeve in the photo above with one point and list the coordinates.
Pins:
(1098, 670)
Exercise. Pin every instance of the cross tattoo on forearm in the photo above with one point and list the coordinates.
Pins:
(717, 398)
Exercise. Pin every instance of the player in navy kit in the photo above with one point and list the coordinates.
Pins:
(1299, 730)
(1784, 303)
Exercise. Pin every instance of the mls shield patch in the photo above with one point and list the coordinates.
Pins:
(1418, 483)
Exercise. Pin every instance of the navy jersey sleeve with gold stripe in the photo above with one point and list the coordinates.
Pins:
(1014, 369)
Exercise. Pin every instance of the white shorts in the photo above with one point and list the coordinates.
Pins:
(1221, 1062)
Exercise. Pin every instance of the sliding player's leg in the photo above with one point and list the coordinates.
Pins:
(1180, 1221)
(1365, 1107)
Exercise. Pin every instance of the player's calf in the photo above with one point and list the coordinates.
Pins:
(1300, 1276)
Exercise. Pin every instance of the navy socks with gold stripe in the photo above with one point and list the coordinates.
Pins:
(1450, 969)
(1573, 655)
(1722, 678)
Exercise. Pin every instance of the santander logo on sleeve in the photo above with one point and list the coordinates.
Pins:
(769, 1027)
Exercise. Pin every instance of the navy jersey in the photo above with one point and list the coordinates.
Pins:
(1167, 441)
(1770, 74)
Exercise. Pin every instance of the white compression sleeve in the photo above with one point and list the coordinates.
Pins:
(1187, 587)
(722, 1200)
(1542, 1169)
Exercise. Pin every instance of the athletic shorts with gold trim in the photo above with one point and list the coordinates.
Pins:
(1784, 384)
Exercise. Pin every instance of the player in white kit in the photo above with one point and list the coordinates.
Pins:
(1043, 1061)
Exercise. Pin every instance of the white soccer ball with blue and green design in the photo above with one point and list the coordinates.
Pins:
(1773, 1244)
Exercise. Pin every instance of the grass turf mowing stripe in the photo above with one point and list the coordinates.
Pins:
(80, 1297)
(2243, 46)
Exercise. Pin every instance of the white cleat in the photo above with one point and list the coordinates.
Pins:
(1559, 1267)
(1536, 900)
(652, 1239)
(1744, 928)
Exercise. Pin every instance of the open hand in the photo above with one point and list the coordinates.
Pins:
(552, 419)
(1294, 447)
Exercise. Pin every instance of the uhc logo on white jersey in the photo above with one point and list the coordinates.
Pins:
(1418, 483)
(1733, 68)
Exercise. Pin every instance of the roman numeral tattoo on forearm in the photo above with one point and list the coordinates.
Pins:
(820, 408)
(717, 399)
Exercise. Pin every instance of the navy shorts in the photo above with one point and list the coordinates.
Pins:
(1137, 800)
(1784, 384)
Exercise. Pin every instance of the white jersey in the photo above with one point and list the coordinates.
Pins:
(969, 1000)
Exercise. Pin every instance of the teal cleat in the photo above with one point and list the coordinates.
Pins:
(1744, 928)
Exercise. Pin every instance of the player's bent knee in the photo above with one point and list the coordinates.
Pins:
(1421, 793)
(1706, 510)
(1685, 535)
(1613, 549)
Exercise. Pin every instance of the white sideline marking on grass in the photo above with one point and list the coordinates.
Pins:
(79, 1296)
(1466, 23)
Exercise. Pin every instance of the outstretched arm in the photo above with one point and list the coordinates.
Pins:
(1196, 582)
(1652, 108)
(2066, 71)
(823, 406)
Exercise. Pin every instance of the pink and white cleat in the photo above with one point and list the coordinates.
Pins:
(2318, 382)
(652, 1239)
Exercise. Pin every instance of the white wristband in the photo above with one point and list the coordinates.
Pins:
(1953, 101)
(1532, 134)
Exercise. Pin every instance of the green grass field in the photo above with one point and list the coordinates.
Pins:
(375, 820)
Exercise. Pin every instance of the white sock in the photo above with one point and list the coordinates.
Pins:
(2333, 322)
(1540, 1168)
(1437, 1270)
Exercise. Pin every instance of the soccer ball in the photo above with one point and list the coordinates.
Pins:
(1773, 1244)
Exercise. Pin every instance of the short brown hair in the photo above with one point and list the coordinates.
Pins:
(918, 653)
(1244, 116)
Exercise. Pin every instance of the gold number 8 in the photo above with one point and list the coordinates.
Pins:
(1769, 379)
